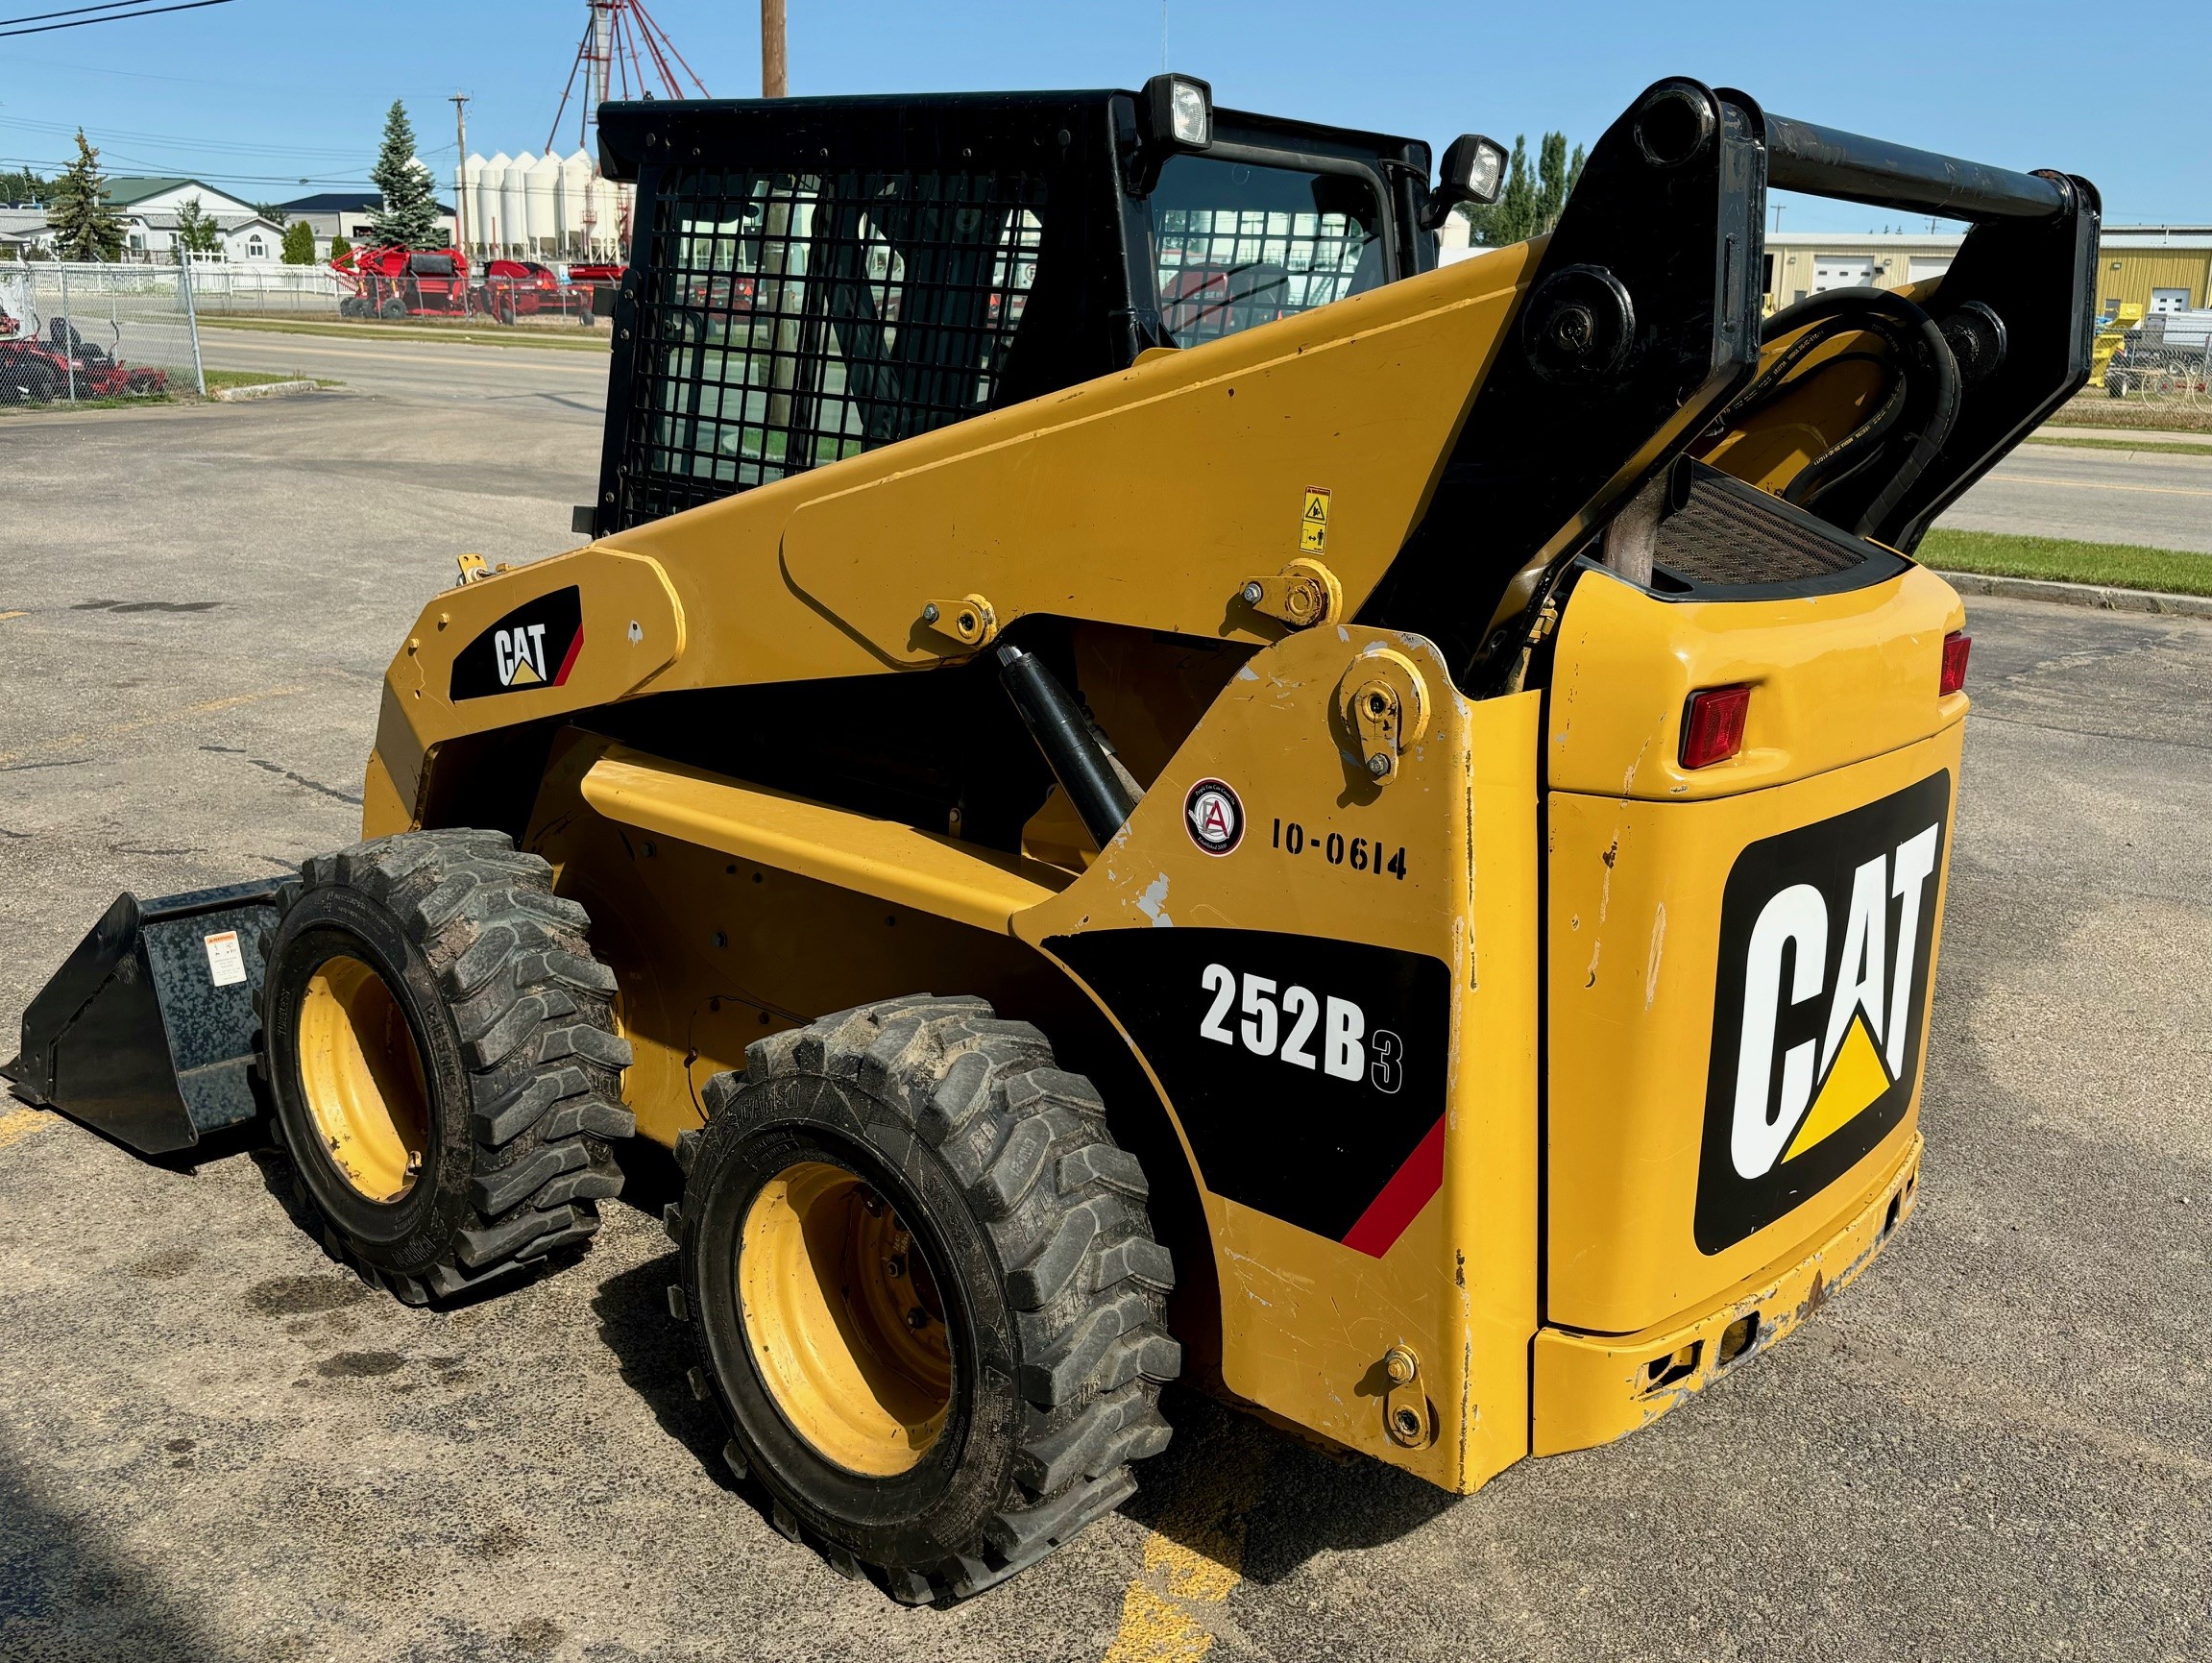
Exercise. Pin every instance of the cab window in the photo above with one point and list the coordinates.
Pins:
(1235, 244)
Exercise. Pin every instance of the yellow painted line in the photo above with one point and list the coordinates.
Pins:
(2100, 485)
(1193, 1561)
(4, 616)
(70, 741)
(21, 1124)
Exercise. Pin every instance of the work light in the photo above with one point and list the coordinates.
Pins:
(1179, 112)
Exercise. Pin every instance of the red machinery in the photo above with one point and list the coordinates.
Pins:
(65, 364)
(399, 283)
(521, 288)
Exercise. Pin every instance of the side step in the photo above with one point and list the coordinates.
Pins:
(146, 1032)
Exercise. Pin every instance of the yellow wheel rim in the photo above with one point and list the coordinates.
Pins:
(363, 1080)
(844, 1320)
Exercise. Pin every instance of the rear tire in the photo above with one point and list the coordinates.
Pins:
(930, 1131)
(439, 1047)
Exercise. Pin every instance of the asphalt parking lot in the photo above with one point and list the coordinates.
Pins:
(215, 1444)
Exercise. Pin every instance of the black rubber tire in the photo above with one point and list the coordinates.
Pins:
(394, 308)
(511, 1016)
(1034, 1221)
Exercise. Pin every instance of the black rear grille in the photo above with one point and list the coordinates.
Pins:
(1733, 535)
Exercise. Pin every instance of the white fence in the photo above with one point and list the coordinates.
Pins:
(70, 332)
(226, 288)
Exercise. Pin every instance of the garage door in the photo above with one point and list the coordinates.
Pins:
(1834, 271)
(2169, 301)
(1922, 269)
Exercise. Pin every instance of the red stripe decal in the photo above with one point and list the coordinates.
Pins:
(570, 662)
(1403, 1197)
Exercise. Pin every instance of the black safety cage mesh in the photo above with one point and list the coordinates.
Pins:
(795, 319)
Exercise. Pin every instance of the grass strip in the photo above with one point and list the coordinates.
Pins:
(452, 335)
(223, 379)
(2169, 448)
(2093, 409)
(2065, 560)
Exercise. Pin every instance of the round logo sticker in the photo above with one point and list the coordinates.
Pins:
(1214, 816)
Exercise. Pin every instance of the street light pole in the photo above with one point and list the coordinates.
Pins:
(774, 62)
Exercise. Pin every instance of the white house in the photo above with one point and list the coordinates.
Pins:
(152, 207)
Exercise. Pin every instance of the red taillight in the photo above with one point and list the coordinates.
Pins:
(1956, 647)
(1712, 725)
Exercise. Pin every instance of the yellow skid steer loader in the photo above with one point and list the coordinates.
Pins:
(1141, 779)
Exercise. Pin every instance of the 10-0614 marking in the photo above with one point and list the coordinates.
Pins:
(1362, 855)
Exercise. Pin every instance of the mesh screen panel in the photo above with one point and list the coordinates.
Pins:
(1732, 535)
(796, 319)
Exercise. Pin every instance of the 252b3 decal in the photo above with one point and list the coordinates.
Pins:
(1286, 1029)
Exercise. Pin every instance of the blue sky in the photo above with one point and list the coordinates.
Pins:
(256, 94)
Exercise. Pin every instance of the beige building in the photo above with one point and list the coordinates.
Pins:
(2161, 268)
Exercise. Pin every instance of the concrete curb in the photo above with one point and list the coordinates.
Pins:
(2091, 594)
(266, 390)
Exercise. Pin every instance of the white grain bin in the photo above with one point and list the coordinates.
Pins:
(541, 193)
(491, 222)
(578, 219)
(515, 205)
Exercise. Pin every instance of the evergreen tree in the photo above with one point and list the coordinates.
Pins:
(22, 184)
(298, 244)
(86, 224)
(197, 233)
(409, 217)
(340, 248)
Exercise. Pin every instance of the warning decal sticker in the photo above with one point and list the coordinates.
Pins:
(1313, 522)
(226, 963)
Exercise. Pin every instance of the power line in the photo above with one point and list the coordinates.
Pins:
(112, 17)
(73, 11)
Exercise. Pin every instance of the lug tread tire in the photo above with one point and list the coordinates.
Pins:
(1064, 1209)
(534, 1011)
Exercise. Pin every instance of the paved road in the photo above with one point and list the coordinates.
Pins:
(552, 385)
(2158, 500)
(213, 1444)
(2103, 496)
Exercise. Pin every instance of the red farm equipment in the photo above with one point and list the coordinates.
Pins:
(398, 283)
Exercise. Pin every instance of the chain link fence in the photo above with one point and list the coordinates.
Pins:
(2164, 362)
(71, 333)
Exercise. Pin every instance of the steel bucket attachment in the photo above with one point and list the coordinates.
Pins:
(146, 1032)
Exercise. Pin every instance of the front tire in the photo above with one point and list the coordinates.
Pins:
(924, 1292)
(439, 1046)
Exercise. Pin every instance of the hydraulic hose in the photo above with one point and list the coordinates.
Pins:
(1920, 347)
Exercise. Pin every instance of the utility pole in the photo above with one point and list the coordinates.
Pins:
(776, 78)
(460, 170)
(1778, 208)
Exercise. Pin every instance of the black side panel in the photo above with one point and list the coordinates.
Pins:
(146, 1030)
(1642, 322)
(1291, 1116)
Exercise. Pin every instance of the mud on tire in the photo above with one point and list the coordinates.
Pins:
(519, 1065)
(1033, 1223)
